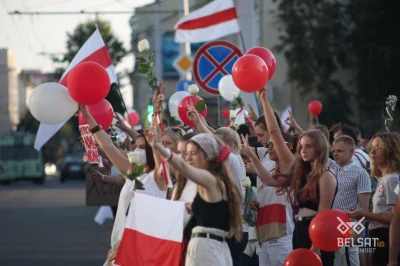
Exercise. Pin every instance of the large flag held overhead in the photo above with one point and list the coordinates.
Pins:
(94, 50)
(211, 22)
(149, 240)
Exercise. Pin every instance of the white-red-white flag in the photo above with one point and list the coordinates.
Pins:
(213, 21)
(93, 50)
(147, 239)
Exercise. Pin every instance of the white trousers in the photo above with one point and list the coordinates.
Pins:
(274, 252)
(341, 258)
(207, 251)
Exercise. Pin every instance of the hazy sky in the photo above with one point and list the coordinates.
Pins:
(27, 35)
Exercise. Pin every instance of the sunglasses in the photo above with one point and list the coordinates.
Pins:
(175, 130)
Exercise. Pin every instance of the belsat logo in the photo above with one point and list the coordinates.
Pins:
(365, 245)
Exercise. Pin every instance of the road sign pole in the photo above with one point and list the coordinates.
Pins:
(219, 110)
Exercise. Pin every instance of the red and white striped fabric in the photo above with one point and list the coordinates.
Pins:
(211, 22)
(94, 50)
(153, 233)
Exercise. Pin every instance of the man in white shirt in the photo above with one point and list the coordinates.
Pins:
(360, 158)
(354, 188)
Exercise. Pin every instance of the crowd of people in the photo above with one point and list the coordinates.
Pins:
(296, 175)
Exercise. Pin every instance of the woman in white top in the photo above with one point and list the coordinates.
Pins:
(154, 184)
(384, 152)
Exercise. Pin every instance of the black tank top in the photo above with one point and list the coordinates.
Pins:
(313, 204)
(211, 215)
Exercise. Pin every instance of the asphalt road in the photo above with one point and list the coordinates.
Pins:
(49, 225)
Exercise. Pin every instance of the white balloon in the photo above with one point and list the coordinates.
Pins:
(174, 102)
(227, 87)
(50, 103)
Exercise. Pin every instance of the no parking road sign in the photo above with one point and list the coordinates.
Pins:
(213, 61)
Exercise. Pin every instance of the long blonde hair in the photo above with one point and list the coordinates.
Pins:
(228, 136)
(391, 142)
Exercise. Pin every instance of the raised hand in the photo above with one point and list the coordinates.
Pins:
(262, 94)
(151, 136)
(290, 120)
(245, 148)
(252, 114)
(158, 97)
(120, 123)
(192, 113)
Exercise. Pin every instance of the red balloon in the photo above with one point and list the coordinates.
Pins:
(267, 56)
(88, 83)
(134, 118)
(302, 257)
(327, 232)
(225, 113)
(102, 112)
(315, 108)
(250, 73)
(182, 109)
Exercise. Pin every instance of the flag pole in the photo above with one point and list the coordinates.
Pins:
(242, 40)
(123, 103)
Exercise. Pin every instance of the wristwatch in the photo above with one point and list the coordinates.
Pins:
(96, 129)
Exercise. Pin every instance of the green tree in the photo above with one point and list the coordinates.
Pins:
(375, 46)
(115, 47)
(312, 38)
(323, 38)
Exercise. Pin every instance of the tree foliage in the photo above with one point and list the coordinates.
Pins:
(79, 36)
(333, 44)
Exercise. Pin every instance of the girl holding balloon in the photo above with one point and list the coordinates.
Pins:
(275, 233)
(310, 185)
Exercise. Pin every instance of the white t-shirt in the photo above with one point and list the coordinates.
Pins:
(238, 169)
(188, 194)
(361, 158)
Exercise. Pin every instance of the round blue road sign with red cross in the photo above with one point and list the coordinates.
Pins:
(213, 61)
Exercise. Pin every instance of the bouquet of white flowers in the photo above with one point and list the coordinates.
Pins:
(249, 215)
(137, 159)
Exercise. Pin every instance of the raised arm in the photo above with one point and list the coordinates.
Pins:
(197, 120)
(117, 159)
(199, 176)
(290, 121)
(261, 171)
(285, 156)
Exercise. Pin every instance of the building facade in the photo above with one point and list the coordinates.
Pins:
(9, 93)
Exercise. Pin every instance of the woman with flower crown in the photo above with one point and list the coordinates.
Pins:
(153, 185)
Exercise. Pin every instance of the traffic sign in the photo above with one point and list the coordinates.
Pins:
(183, 63)
(183, 84)
(213, 61)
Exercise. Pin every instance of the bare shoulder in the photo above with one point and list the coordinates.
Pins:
(328, 176)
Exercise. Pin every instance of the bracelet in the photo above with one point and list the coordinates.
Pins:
(96, 129)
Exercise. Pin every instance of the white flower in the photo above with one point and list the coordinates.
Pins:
(246, 182)
(137, 157)
(193, 89)
(143, 45)
(121, 138)
(232, 114)
(235, 95)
